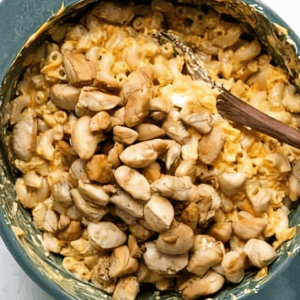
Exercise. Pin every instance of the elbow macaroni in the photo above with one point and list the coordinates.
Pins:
(98, 58)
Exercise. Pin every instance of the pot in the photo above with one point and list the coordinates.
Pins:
(46, 270)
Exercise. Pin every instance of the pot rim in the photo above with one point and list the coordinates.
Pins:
(7, 234)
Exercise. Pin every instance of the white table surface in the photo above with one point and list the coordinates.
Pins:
(14, 283)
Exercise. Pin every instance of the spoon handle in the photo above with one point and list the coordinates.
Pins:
(236, 110)
(228, 105)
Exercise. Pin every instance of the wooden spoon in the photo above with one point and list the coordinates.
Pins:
(228, 105)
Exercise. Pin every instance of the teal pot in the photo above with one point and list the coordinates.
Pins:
(19, 19)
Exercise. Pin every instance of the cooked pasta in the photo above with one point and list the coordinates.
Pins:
(129, 170)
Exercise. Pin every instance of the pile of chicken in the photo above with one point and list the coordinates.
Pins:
(130, 172)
